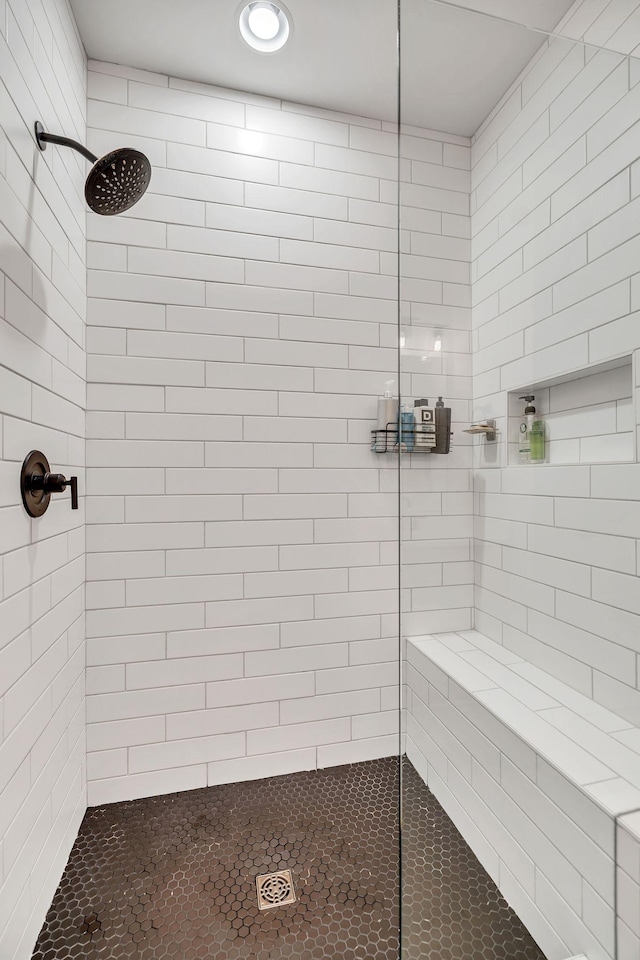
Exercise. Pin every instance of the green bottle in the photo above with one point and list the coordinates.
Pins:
(531, 443)
(537, 439)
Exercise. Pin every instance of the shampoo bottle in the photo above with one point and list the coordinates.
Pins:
(443, 427)
(532, 435)
(407, 429)
(524, 435)
(537, 442)
(425, 427)
(388, 408)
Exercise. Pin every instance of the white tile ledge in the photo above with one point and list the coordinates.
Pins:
(631, 823)
(576, 735)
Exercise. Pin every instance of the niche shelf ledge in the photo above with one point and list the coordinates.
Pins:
(589, 415)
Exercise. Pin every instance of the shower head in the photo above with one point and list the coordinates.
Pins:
(115, 182)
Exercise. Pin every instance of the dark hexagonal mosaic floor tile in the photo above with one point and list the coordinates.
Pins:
(451, 908)
(174, 876)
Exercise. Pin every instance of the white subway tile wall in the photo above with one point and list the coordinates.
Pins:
(242, 537)
(42, 401)
(435, 357)
(555, 274)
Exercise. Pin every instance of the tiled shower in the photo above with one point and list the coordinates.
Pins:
(242, 524)
(251, 603)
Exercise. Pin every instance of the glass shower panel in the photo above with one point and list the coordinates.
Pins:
(518, 249)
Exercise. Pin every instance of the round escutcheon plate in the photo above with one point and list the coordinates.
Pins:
(35, 500)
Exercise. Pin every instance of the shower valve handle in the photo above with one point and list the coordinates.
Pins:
(37, 483)
(55, 483)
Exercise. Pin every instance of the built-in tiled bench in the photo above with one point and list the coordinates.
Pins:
(628, 886)
(534, 775)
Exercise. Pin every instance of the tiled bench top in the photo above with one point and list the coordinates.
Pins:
(591, 746)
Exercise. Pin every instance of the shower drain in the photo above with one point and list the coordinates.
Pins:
(275, 889)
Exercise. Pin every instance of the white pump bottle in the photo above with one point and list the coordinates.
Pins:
(388, 408)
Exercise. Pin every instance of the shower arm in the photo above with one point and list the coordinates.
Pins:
(43, 139)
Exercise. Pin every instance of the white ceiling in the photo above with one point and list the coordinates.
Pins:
(342, 54)
(456, 64)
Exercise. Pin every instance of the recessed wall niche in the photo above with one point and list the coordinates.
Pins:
(589, 415)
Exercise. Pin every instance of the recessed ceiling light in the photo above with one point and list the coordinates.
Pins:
(264, 26)
(263, 22)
